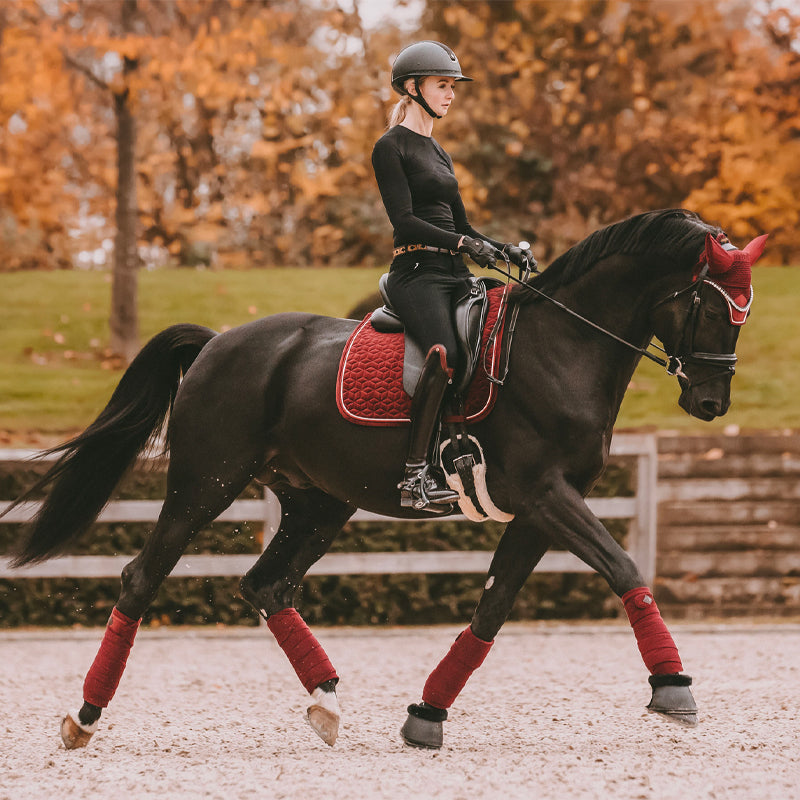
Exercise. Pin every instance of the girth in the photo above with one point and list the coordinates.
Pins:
(469, 317)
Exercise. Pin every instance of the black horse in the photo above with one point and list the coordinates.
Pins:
(258, 402)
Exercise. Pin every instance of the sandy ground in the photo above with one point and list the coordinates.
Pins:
(556, 711)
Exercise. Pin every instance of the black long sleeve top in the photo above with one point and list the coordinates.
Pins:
(420, 190)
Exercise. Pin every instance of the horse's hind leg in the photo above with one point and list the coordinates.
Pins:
(193, 501)
(310, 521)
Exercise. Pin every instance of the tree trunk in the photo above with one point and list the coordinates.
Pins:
(124, 321)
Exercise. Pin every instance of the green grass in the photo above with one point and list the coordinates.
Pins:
(54, 378)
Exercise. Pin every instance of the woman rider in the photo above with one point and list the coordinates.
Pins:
(431, 231)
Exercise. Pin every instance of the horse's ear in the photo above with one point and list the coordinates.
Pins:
(756, 247)
(719, 259)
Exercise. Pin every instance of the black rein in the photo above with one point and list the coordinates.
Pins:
(672, 363)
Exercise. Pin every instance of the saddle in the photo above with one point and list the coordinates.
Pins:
(369, 384)
(379, 371)
(470, 317)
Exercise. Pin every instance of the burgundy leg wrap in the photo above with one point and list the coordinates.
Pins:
(449, 678)
(304, 652)
(109, 663)
(658, 650)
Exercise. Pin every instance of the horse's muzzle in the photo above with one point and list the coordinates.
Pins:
(703, 403)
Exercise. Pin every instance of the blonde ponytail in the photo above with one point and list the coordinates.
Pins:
(399, 111)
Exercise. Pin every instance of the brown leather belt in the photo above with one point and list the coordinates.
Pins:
(411, 248)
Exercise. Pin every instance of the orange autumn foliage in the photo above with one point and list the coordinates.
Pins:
(255, 122)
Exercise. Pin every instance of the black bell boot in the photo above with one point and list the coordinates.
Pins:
(423, 485)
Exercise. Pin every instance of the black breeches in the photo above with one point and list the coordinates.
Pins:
(424, 299)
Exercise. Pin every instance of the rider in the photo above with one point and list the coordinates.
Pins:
(431, 231)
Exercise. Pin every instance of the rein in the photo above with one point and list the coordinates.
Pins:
(672, 363)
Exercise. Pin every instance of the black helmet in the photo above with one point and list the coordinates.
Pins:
(422, 59)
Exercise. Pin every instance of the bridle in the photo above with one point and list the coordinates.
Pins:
(688, 355)
(673, 363)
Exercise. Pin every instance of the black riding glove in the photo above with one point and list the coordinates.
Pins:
(482, 253)
(519, 257)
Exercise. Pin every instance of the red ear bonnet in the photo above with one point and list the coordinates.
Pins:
(756, 247)
(729, 271)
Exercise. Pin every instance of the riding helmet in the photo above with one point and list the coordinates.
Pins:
(422, 59)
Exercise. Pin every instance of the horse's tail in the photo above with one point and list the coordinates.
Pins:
(93, 463)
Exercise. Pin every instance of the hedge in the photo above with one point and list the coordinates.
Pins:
(326, 600)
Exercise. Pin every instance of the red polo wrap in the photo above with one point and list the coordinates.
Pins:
(448, 679)
(304, 652)
(109, 663)
(658, 650)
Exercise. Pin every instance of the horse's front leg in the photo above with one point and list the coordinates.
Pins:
(519, 551)
(310, 520)
(572, 526)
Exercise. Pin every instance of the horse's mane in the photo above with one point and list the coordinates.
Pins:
(674, 234)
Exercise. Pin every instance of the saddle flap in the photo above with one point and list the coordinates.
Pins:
(413, 361)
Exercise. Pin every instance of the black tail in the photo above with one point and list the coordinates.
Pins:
(93, 463)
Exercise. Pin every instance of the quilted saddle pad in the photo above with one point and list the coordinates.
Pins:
(369, 387)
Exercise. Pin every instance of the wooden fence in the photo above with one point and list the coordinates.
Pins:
(640, 509)
(729, 525)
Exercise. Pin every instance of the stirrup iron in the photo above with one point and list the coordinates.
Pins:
(420, 490)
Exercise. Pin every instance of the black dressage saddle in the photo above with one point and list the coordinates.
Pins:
(469, 318)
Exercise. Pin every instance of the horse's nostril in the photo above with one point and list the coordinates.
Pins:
(711, 407)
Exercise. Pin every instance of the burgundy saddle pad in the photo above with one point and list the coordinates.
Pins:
(369, 387)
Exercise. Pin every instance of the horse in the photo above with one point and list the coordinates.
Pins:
(258, 402)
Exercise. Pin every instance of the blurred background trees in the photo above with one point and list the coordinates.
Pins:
(254, 123)
(586, 112)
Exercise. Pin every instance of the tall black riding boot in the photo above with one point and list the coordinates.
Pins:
(423, 487)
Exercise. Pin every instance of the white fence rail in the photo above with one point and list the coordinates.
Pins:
(640, 509)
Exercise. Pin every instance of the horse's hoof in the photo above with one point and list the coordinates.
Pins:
(422, 733)
(75, 735)
(323, 716)
(672, 698)
(424, 727)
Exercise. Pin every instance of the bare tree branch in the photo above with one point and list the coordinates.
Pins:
(84, 70)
